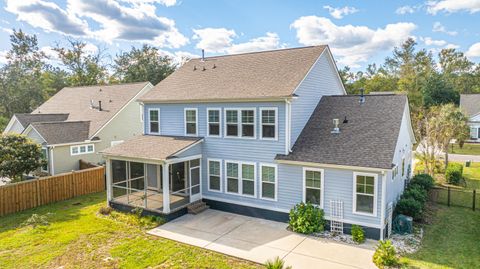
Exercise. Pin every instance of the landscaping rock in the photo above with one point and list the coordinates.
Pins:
(408, 243)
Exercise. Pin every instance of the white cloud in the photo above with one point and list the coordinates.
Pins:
(340, 12)
(268, 42)
(6, 30)
(451, 6)
(438, 27)
(3, 56)
(431, 42)
(473, 51)
(351, 44)
(405, 10)
(167, 3)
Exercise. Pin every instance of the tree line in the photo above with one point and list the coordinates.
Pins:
(28, 79)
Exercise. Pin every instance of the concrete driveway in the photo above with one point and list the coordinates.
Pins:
(259, 240)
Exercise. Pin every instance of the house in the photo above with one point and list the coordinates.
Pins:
(470, 104)
(78, 122)
(257, 133)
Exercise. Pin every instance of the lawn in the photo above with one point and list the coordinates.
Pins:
(467, 149)
(451, 241)
(471, 174)
(78, 237)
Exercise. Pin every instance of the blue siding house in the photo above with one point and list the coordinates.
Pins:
(257, 133)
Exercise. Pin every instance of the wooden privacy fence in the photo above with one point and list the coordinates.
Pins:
(29, 194)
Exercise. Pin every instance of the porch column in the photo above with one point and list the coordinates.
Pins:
(166, 188)
(108, 171)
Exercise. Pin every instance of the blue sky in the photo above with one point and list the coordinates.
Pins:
(358, 32)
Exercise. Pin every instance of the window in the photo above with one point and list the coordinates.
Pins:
(269, 182)
(232, 122)
(190, 121)
(365, 194)
(82, 149)
(44, 167)
(154, 121)
(214, 175)
(248, 179)
(232, 177)
(213, 122)
(313, 180)
(248, 123)
(269, 123)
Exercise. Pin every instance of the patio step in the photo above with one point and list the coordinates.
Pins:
(197, 207)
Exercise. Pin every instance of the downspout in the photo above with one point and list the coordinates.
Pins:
(288, 114)
(52, 165)
(382, 213)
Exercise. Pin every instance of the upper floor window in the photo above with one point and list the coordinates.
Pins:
(154, 121)
(231, 122)
(248, 123)
(190, 121)
(82, 149)
(213, 122)
(269, 123)
(365, 194)
(240, 123)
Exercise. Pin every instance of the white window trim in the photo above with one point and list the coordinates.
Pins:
(221, 176)
(185, 121)
(149, 121)
(261, 181)
(375, 193)
(322, 183)
(82, 153)
(240, 179)
(219, 122)
(239, 122)
(47, 158)
(276, 123)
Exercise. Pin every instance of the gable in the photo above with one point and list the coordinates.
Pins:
(14, 126)
(33, 134)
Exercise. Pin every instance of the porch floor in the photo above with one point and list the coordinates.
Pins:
(259, 240)
(154, 200)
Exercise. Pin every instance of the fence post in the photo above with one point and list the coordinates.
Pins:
(448, 196)
(474, 198)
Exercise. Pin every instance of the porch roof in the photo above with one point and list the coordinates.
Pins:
(152, 147)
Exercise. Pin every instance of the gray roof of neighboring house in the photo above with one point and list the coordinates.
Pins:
(151, 147)
(76, 101)
(257, 75)
(368, 139)
(63, 132)
(470, 103)
(26, 118)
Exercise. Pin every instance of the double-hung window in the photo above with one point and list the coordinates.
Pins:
(313, 180)
(240, 123)
(240, 178)
(248, 179)
(154, 121)
(269, 123)
(231, 122)
(191, 121)
(365, 194)
(214, 175)
(268, 181)
(233, 183)
(248, 123)
(213, 122)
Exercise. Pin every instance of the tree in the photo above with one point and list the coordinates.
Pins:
(18, 156)
(83, 68)
(145, 64)
(438, 92)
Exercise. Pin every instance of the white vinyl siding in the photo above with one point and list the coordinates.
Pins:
(365, 194)
(191, 122)
(154, 121)
(82, 149)
(268, 186)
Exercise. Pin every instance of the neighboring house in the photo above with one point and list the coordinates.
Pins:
(470, 104)
(253, 134)
(78, 122)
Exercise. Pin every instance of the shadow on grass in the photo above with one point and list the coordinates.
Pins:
(62, 211)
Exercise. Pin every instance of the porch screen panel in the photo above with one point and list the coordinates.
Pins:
(152, 177)
(137, 174)
(119, 171)
(195, 174)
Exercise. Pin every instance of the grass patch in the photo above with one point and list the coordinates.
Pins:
(467, 149)
(471, 174)
(451, 241)
(77, 236)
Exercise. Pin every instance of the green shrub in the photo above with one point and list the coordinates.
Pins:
(105, 210)
(358, 234)
(454, 173)
(424, 180)
(277, 263)
(410, 207)
(306, 219)
(385, 255)
(416, 192)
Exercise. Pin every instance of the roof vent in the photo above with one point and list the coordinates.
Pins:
(345, 120)
(204, 68)
(214, 66)
(203, 55)
(362, 95)
(336, 129)
(194, 67)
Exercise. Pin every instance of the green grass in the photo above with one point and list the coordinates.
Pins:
(78, 237)
(451, 241)
(467, 149)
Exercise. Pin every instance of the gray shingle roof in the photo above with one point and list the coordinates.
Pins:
(367, 140)
(76, 101)
(151, 147)
(470, 103)
(25, 119)
(267, 74)
(63, 132)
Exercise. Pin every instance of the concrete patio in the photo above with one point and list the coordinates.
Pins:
(259, 240)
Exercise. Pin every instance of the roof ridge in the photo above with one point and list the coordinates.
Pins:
(256, 52)
(61, 122)
(106, 85)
